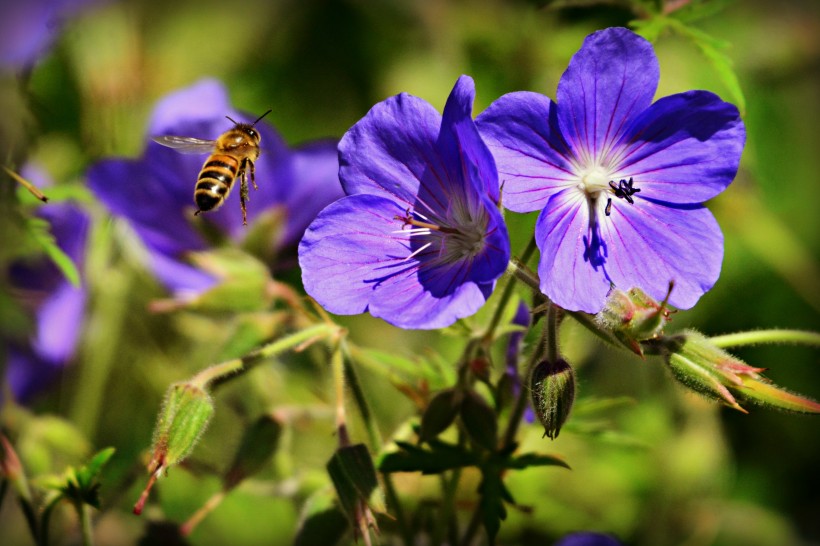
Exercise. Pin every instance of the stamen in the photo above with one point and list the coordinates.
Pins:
(624, 190)
(417, 251)
(410, 221)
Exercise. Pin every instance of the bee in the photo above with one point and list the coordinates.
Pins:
(232, 156)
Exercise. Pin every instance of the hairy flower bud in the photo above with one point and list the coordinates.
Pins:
(705, 368)
(553, 392)
(633, 316)
(186, 412)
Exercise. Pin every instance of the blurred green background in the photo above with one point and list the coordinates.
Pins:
(667, 468)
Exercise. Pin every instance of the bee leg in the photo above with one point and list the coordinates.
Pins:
(243, 195)
(252, 169)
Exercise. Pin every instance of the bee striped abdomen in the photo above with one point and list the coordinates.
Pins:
(215, 181)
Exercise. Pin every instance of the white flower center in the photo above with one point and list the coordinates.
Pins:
(593, 180)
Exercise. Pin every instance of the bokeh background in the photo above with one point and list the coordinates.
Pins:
(656, 466)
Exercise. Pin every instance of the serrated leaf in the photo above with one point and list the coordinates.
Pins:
(700, 9)
(439, 458)
(534, 459)
(491, 503)
(651, 28)
(712, 49)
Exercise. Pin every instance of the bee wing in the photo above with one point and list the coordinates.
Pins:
(186, 145)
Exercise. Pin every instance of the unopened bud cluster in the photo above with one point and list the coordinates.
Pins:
(703, 367)
(553, 391)
(634, 316)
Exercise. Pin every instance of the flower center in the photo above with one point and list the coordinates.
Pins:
(445, 243)
(594, 180)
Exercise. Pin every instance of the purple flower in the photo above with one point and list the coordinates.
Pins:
(155, 192)
(29, 27)
(619, 181)
(418, 241)
(587, 538)
(56, 305)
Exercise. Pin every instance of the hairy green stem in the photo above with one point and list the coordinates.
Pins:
(218, 374)
(756, 337)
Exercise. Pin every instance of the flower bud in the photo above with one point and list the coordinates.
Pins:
(553, 392)
(633, 316)
(185, 415)
(703, 367)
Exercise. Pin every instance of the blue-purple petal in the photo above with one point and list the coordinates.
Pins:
(391, 150)
(587, 538)
(204, 101)
(148, 194)
(652, 244)
(609, 81)
(521, 131)
(59, 321)
(355, 258)
(468, 158)
(572, 261)
(685, 148)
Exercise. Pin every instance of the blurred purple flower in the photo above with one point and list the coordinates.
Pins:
(419, 240)
(56, 304)
(155, 192)
(29, 27)
(586, 538)
(619, 181)
(523, 318)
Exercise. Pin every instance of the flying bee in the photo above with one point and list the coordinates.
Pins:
(232, 156)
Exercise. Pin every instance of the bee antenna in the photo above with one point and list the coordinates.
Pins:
(260, 117)
(232, 120)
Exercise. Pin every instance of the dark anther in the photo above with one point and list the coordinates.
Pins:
(623, 190)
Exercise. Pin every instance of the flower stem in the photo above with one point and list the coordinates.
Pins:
(84, 511)
(188, 527)
(756, 337)
(338, 367)
(549, 331)
(508, 290)
(218, 374)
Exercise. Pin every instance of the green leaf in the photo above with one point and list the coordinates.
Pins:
(700, 9)
(651, 28)
(480, 420)
(39, 231)
(440, 413)
(86, 474)
(259, 443)
(713, 50)
(440, 457)
(354, 478)
(492, 494)
(534, 459)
